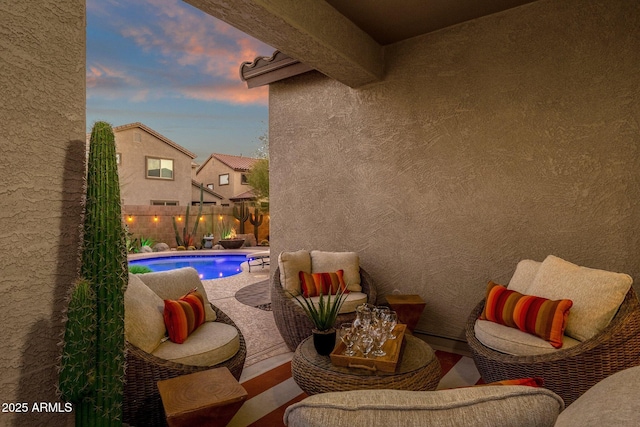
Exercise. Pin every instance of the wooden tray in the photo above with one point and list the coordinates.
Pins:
(386, 363)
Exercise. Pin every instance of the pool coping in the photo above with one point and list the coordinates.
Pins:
(198, 252)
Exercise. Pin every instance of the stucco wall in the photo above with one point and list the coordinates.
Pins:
(210, 174)
(42, 133)
(509, 137)
(143, 223)
(135, 187)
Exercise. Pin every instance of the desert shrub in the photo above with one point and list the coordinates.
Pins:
(139, 269)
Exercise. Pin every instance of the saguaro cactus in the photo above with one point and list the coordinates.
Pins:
(241, 214)
(179, 239)
(78, 363)
(187, 239)
(98, 400)
(256, 219)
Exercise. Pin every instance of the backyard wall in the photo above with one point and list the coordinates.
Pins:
(42, 134)
(508, 137)
(156, 222)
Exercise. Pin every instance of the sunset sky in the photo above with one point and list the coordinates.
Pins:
(176, 69)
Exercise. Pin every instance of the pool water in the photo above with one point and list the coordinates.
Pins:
(208, 266)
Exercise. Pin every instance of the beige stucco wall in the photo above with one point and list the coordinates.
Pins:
(209, 174)
(42, 133)
(135, 187)
(509, 137)
(206, 196)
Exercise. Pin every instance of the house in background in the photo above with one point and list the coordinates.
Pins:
(194, 169)
(210, 197)
(226, 175)
(155, 170)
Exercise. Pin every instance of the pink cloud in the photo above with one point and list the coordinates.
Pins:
(235, 94)
(189, 38)
(174, 51)
(98, 72)
(110, 82)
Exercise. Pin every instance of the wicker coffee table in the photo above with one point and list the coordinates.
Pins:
(418, 369)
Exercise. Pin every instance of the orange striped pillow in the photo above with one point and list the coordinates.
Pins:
(315, 284)
(531, 382)
(541, 317)
(183, 316)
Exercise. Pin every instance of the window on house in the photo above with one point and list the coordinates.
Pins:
(210, 186)
(244, 179)
(159, 168)
(164, 203)
(118, 159)
(223, 179)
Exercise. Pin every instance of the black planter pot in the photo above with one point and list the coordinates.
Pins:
(231, 243)
(324, 341)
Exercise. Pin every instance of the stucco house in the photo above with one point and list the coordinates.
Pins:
(441, 155)
(227, 176)
(153, 169)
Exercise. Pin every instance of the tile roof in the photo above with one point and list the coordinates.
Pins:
(237, 163)
(247, 195)
(157, 135)
(264, 70)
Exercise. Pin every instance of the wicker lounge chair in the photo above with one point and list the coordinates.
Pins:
(142, 404)
(572, 371)
(293, 324)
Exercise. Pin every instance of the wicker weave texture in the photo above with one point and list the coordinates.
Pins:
(293, 323)
(418, 370)
(142, 403)
(571, 372)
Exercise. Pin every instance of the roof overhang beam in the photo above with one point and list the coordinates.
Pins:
(310, 31)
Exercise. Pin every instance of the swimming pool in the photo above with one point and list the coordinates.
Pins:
(208, 266)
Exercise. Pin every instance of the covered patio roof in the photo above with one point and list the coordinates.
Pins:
(345, 39)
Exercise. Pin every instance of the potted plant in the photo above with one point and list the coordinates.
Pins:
(323, 316)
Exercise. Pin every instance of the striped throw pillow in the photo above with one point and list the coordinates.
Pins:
(183, 316)
(531, 382)
(315, 284)
(541, 317)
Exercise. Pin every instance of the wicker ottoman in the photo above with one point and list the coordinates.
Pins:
(418, 369)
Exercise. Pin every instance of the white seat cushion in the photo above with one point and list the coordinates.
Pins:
(353, 300)
(495, 406)
(611, 402)
(596, 294)
(210, 344)
(514, 341)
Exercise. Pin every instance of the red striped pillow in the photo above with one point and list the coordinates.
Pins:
(541, 317)
(531, 382)
(183, 316)
(315, 284)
